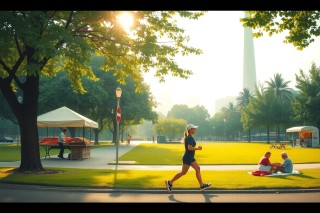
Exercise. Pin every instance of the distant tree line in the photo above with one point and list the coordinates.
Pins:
(272, 107)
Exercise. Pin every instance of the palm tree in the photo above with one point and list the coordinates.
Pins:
(230, 111)
(282, 93)
(279, 87)
(232, 118)
(243, 100)
(264, 107)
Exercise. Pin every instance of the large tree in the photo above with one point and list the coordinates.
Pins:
(244, 98)
(260, 110)
(173, 128)
(197, 115)
(232, 120)
(279, 88)
(306, 103)
(243, 101)
(42, 43)
(301, 27)
(99, 102)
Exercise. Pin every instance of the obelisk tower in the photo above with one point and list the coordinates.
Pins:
(249, 65)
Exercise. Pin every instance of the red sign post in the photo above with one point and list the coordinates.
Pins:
(118, 114)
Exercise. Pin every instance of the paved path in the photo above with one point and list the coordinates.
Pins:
(101, 157)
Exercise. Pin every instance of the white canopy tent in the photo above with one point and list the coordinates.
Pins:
(64, 117)
(306, 131)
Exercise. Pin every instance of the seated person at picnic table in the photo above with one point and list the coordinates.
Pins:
(286, 166)
(265, 164)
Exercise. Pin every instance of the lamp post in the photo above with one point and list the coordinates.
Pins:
(118, 116)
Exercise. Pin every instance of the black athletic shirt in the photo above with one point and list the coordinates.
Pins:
(189, 141)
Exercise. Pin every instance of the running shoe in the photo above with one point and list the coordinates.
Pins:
(169, 185)
(205, 186)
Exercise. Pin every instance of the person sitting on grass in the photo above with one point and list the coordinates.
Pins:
(265, 164)
(286, 166)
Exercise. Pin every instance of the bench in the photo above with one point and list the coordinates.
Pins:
(278, 145)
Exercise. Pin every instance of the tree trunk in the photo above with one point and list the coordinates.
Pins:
(249, 135)
(27, 117)
(26, 113)
(30, 153)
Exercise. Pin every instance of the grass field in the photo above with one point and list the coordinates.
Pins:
(12, 152)
(218, 153)
(170, 154)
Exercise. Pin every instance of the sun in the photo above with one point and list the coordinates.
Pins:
(126, 20)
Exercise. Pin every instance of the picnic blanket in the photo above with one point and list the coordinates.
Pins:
(264, 173)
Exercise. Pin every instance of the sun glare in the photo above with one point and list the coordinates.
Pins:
(126, 20)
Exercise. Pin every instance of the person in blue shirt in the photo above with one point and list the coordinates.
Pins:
(286, 166)
(188, 159)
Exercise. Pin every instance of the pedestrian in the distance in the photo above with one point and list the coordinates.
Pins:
(188, 159)
(128, 140)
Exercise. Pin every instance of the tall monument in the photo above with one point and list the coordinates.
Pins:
(249, 65)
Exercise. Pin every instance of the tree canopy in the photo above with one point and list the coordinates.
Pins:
(301, 27)
(306, 103)
(99, 102)
(42, 43)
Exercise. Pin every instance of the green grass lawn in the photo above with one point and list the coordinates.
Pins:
(12, 152)
(134, 179)
(218, 153)
(170, 154)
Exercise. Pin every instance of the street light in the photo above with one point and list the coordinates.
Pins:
(118, 116)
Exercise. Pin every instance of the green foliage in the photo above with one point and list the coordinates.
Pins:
(244, 98)
(306, 103)
(271, 105)
(301, 26)
(173, 128)
(259, 112)
(279, 88)
(46, 42)
(99, 101)
(232, 124)
(179, 111)
(197, 115)
(35, 44)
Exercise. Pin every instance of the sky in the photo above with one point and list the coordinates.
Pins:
(217, 72)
